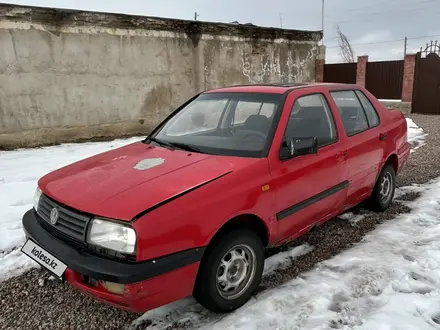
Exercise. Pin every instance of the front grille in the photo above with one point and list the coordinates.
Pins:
(70, 224)
(58, 234)
(71, 228)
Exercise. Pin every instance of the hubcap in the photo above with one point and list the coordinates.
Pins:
(386, 188)
(236, 271)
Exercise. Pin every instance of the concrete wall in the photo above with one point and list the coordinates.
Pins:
(69, 75)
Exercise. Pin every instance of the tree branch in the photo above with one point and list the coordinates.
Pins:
(346, 51)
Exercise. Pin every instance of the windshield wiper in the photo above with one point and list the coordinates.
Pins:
(186, 147)
(162, 143)
(174, 145)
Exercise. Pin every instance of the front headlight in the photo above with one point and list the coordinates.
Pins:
(37, 196)
(112, 235)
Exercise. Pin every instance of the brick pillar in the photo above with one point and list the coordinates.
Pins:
(319, 64)
(408, 77)
(319, 71)
(361, 71)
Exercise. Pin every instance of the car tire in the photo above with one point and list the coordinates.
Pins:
(383, 191)
(238, 255)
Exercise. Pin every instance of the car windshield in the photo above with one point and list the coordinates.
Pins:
(233, 124)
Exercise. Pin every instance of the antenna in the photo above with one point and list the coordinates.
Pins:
(322, 21)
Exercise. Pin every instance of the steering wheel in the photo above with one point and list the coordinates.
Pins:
(257, 134)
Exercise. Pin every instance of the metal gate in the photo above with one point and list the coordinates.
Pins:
(340, 73)
(426, 98)
(385, 79)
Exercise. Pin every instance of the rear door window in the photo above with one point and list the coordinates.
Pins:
(351, 111)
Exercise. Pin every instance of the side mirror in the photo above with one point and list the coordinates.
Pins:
(298, 147)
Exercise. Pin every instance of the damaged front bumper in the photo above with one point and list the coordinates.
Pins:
(136, 286)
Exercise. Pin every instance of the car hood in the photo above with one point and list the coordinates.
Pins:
(124, 182)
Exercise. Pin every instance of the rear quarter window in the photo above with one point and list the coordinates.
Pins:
(370, 111)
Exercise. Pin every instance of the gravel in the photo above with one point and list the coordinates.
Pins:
(32, 301)
(424, 163)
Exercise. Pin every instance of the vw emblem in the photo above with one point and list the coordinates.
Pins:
(54, 215)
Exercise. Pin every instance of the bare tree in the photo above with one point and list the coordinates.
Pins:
(345, 48)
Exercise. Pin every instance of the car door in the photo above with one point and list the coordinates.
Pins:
(308, 188)
(366, 145)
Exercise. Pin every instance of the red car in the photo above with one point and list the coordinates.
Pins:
(191, 209)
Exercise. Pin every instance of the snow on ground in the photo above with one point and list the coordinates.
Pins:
(416, 135)
(390, 100)
(276, 261)
(354, 218)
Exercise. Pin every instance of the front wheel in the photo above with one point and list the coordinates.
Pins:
(383, 191)
(231, 272)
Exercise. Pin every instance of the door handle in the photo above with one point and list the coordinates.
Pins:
(383, 136)
(342, 154)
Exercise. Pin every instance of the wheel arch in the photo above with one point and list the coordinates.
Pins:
(393, 160)
(244, 221)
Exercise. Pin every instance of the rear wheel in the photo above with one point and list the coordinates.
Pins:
(231, 271)
(383, 192)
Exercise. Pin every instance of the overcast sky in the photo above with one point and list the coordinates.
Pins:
(375, 27)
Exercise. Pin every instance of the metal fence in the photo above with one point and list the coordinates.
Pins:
(426, 97)
(340, 73)
(385, 79)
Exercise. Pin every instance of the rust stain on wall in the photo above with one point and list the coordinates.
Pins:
(157, 99)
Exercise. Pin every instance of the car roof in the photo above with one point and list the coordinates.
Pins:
(277, 88)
